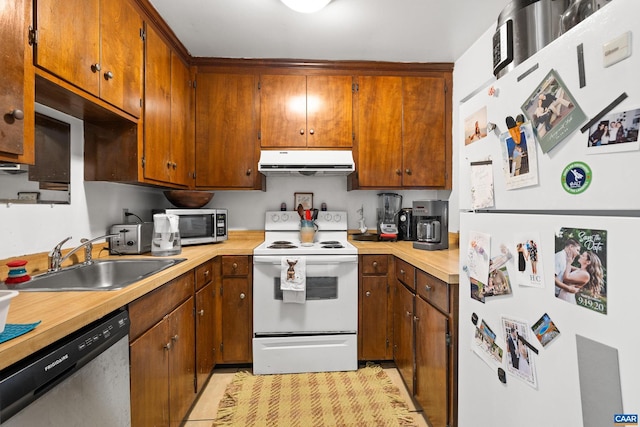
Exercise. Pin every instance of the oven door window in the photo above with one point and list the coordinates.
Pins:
(196, 226)
(318, 288)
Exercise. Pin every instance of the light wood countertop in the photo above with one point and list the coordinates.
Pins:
(62, 313)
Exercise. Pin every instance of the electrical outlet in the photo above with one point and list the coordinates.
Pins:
(125, 219)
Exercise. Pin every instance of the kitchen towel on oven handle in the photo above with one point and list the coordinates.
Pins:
(293, 279)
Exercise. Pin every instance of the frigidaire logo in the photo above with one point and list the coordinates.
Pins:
(625, 419)
(56, 362)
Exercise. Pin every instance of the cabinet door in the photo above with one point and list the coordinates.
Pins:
(150, 377)
(69, 41)
(403, 334)
(205, 334)
(182, 143)
(157, 109)
(122, 53)
(379, 131)
(432, 361)
(181, 361)
(283, 112)
(14, 103)
(226, 130)
(237, 329)
(329, 111)
(424, 138)
(372, 332)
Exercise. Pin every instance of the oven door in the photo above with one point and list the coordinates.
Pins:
(331, 303)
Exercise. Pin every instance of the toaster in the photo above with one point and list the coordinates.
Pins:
(132, 238)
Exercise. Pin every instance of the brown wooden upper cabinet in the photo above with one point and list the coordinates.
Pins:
(403, 132)
(168, 123)
(16, 84)
(96, 45)
(226, 131)
(312, 111)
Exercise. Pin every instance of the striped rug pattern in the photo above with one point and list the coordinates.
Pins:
(365, 397)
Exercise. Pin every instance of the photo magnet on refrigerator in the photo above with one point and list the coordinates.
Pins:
(576, 177)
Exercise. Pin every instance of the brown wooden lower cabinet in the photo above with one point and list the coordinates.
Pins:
(403, 334)
(431, 389)
(207, 282)
(425, 324)
(235, 305)
(375, 327)
(162, 354)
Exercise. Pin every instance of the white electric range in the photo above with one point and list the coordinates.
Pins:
(319, 333)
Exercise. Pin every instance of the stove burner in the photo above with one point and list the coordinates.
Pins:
(332, 245)
(330, 242)
(281, 244)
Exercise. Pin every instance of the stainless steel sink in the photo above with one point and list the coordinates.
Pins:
(102, 275)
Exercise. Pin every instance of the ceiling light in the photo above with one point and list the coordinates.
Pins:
(306, 6)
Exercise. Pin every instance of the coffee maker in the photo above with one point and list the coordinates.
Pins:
(388, 215)
(432, 224)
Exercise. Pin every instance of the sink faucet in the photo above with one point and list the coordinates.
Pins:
(55, 256)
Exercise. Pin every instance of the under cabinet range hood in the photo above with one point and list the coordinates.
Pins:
(306, 163)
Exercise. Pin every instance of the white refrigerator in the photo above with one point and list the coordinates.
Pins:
(550, 234)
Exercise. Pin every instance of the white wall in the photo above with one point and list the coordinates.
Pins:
(26, 229)
(247, 208)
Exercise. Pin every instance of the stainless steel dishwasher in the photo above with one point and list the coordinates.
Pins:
(80, 380)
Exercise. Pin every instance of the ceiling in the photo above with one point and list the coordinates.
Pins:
(375, 30)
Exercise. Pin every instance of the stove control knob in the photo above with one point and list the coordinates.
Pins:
(285, 217)
(337, 218)
(275, 217)
(327, 217)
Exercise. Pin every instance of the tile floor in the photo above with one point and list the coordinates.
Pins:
(205, 409)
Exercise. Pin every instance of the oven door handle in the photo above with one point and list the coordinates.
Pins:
(310, 259)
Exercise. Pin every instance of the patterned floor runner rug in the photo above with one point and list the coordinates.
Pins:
(365, 397)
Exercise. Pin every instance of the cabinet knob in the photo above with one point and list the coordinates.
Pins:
(416, 318)
(95, 67)
(427, 288)
(398, 172)
(311, 131)
(402, 272)
(249, 171)
(201, 312)
(108, 75)
(242, 295)
(174, 338)
(368, 293)
(408, 171)
(234, 265)
(301, 131)
(374, 264)
(167, 346)
(174, 165)
(408, 313)
(206, 273)
(17, 114)
(168, 165)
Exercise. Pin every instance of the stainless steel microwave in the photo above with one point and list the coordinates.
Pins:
(200, 226)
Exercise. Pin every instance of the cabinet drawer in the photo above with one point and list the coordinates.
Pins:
(148, 310)
(235, 265)
(374, 264)
(433, 290)
(406, 273)
(204, 274)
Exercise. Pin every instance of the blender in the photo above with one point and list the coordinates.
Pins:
(388, 210)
